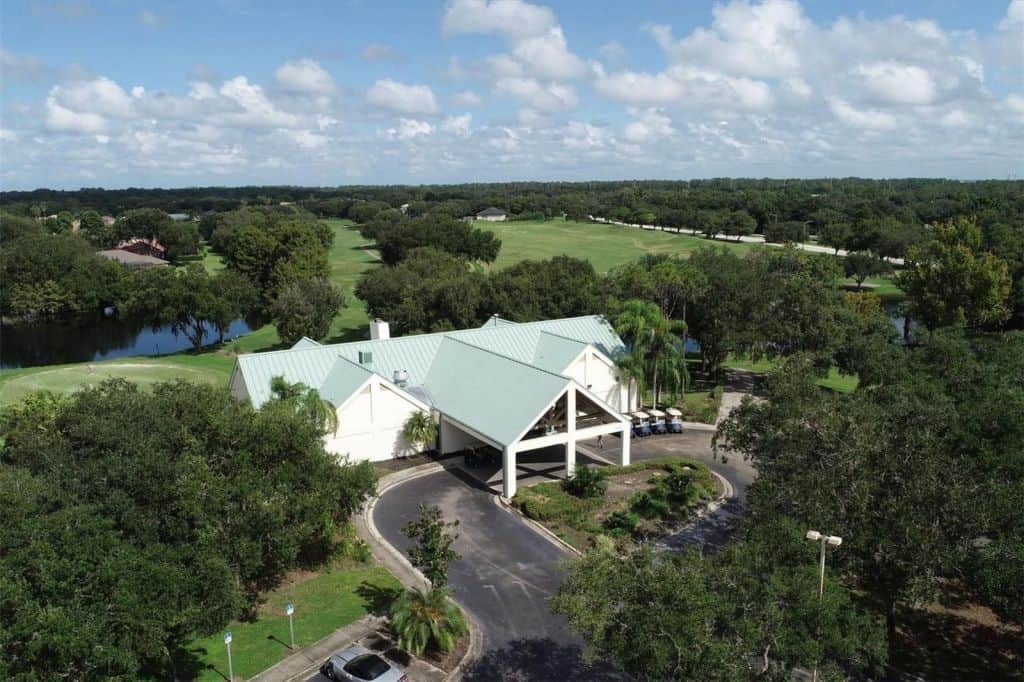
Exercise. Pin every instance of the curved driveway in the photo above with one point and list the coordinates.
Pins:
(504, 578)
(508, 571)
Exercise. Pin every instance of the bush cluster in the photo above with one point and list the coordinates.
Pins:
(586, 482)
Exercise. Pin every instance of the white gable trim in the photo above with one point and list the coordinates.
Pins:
(590, 349)
(540, 414)
(376, 380)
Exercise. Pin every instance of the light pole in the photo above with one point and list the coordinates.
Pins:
(227, 643)
(290, 609)
(835, 541)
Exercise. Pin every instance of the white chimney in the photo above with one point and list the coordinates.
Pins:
(379, 329)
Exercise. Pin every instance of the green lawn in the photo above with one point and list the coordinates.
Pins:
(844, 383)
(603, 245)
(322, 605)
(885, 287)
(15, 384)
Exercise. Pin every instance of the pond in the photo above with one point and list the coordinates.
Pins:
(88, 338)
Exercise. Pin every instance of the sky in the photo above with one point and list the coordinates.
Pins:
(243, 92)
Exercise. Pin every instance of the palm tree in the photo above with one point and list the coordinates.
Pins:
(631, 368)
(423, 620)
(651, 336)
(420, 430)
(307, 402)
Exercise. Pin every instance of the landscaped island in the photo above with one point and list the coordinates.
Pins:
(642, 501)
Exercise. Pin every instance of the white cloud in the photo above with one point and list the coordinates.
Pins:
(62, 119)
(891, 82)
(458, 125)
(871, 119)
(467, 98)
(8, 135)
(649, 125)
(538, 45)
(512, 18)
(1016, 104)
(409, 128)
(307, 139)
(305, 76)
(1014, 15)
(253, 108)
(379, 52)
(581, 136)
(549, 97)
(749, 39)
(639, 88)
(798, 87)
(548, 56)
(406, 99)
(99, 96)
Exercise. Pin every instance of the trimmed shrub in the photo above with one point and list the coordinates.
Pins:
(648, 505)
(586, 482)
(621, 522)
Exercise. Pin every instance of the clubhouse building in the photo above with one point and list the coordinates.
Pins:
(511, 386)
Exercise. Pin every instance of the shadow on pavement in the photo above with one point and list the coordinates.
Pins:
(538, 659)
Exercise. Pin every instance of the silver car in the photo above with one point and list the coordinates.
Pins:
(359, 664)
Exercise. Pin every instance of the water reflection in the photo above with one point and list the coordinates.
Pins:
(88, 338)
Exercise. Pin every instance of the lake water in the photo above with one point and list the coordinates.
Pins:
(88, 338)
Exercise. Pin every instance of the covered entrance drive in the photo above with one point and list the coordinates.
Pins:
(574, 415)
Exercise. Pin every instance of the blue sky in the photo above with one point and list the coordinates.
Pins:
(232, 92)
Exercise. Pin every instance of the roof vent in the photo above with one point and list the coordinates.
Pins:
(401, 377)
(365, 357)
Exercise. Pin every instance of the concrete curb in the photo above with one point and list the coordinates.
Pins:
(388, 555)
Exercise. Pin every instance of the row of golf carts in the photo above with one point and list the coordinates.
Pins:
(656, 421)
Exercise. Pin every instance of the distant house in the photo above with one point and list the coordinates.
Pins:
(131, 260)
(143, 247)
(108, 220)
(180, 217)
(493, 214)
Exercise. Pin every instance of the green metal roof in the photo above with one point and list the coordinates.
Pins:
(344, 379)
(492, 394)
(538, 351)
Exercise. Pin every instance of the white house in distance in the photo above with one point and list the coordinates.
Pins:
(493, 214)
(512, 386)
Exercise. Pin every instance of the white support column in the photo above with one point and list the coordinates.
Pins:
(570, 445)
(508, 478)
(626, 432)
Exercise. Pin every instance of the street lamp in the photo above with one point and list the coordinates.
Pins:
(290, 609)
(227, 643)
(834, 541)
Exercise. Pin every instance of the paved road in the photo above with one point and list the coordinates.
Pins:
(506, 574)
(749, 239)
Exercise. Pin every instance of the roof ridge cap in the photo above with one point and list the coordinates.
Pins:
(510, 359)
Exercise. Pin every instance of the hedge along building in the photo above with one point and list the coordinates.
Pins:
(512, 386)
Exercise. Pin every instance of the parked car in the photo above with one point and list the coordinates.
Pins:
(359, 664)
